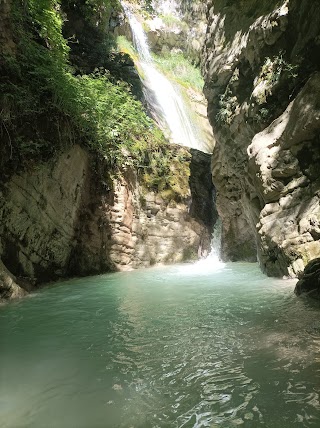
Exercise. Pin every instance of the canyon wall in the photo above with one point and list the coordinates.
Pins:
(73, 202)
(59, 219)
(178, 25)
(261, 63)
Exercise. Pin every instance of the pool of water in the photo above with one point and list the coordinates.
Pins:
(201, 345)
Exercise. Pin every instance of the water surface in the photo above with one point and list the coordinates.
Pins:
(180, 346)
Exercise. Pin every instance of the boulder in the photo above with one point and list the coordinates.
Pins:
(9, 289)
(309, 281)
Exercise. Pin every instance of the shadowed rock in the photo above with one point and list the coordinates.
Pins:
(263, 105)
(310, 280)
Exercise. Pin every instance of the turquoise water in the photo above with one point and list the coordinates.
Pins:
(179, 346)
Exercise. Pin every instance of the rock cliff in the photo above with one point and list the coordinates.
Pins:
(80, 195)
(261, 63)
(39, 210)
(59, 219)
(131, 227)
(178, 25)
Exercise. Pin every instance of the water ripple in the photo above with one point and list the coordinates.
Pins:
(162, 349)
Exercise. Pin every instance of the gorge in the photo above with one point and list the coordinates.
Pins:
(260, 69)
(164, 155)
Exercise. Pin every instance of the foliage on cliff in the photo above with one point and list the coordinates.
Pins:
(46, 103)
(173, 64)
(180, 69)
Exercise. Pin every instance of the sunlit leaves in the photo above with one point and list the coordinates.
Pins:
(100, 112)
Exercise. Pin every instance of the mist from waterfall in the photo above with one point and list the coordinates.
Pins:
(212, 262)
(163, 98)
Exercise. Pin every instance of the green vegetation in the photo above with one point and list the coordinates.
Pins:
(228, 102)
(227, 106)
(272, 71)
(45, 103)
(127, 47)
(262, 115)
(178, 68)
(172, 21)
(102, 7)
(174, 65)
(146, 5)
(172, 178)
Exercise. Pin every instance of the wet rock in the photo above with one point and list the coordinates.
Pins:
(9, 289)
(202, 190)
(309, 281)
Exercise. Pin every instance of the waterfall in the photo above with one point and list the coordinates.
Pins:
(215, 252)
(167, 106)
(164, 99)
(210, 263)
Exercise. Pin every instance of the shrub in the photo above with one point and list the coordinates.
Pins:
(38, 82)
(178, 68)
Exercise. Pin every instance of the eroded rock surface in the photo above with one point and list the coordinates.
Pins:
(9, 289)
(178, 26)
(261, 63)
(283, 162)
(39, 211)
(132, 227)
(137, 229)
(59, 219)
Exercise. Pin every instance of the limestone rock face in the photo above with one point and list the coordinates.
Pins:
(131, 227)
(142, 230)
(59, 219)
(261, 63)
(283, 162)
(202, 206)
(178, 26)
(197, 105)
(39, 212)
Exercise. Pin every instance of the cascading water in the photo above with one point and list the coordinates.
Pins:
(212, 262)
(167, 106)
(163, 98)
(216, 241)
